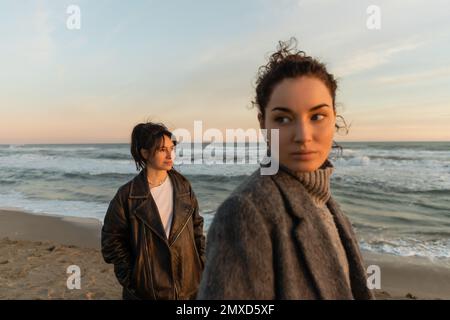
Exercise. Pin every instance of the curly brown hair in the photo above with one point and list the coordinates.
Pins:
(289, 62)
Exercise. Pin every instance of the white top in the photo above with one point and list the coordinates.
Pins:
(163, 196)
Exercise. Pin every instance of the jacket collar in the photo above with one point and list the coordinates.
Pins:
(311, 237)
(147, 210)
(139, 186)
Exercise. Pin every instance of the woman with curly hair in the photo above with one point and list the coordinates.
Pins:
(283, 236)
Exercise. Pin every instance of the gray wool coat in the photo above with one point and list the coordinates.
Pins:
(267, 242)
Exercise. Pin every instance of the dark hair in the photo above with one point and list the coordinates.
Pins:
(148, 136)
(288, 62)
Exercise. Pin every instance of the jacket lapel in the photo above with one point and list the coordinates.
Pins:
(146, 208)
(182, 208)
(316, 249)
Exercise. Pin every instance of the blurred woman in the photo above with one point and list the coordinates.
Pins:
(153, 233)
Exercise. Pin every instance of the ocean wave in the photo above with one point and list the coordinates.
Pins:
(407, 247)
(434, 192)
(7, 182)
(354, 161)
(32, 174)
(56, 175)
(434, 235)
(95, 176)
(392, 162)
(199, 178)
(398, 155)
(398, 146)
(386, 190)
(216, 178)
(112, 156)
(396, 158)
(443, 208)
(74, 208)
(55, 148)
(65, 164)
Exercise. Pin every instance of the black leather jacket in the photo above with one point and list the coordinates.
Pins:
(146, 263)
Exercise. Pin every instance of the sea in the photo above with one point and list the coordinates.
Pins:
(397, 194)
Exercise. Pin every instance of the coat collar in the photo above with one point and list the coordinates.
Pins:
(147, 210)
(313, 241)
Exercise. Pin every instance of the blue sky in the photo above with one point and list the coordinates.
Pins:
(180, 61)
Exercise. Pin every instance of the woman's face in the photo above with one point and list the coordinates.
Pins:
(163, 157)
(302, 109)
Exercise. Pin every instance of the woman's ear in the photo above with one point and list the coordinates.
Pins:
(262, 125)
(144, 153)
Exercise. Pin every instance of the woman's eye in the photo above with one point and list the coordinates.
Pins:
(318, 117)
(282, 120)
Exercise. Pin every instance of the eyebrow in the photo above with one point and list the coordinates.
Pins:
(290, 111)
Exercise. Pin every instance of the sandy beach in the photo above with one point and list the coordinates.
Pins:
(36, 250)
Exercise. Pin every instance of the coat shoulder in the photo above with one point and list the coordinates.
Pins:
(124, 190)
(256, 187)
(179, 176)
(183, 182)
(258, 194)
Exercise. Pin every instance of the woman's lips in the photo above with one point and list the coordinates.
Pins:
(303, 155)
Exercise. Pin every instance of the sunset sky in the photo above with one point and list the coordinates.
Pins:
(180, 61)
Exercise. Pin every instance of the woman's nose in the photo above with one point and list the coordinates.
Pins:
(303, 132)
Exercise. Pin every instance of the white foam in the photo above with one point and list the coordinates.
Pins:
(408, 247)
(67, 208)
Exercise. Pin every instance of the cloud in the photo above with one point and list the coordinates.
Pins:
(373, 57)
(411, 78)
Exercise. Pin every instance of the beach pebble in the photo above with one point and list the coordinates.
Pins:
(90, 295)
(411, 296)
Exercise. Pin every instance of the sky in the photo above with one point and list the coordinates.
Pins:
(180, 61)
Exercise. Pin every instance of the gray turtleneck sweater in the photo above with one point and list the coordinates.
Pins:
(317, 183)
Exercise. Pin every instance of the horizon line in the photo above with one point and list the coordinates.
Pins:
(91, 143)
